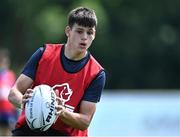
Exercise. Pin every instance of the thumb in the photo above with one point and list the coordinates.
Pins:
(60, 101)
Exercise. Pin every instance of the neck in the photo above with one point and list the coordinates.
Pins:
(71, 54)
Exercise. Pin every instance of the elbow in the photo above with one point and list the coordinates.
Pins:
(84, 128)
(85, 125)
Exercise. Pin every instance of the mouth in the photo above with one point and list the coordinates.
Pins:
(83, 45)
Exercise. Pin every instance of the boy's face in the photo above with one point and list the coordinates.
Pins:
(80, 38)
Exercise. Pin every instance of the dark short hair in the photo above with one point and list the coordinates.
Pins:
(82, 16)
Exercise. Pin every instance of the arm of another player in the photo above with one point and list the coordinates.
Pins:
(17, 94)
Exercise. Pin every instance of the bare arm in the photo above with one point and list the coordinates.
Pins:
(17, 91)
(79, 120)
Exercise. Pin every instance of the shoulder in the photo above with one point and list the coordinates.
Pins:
(95, 62)
(102, 74)
(30, 67)
(52, 48)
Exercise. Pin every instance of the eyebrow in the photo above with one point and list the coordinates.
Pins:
(90, 29)
(80, 28)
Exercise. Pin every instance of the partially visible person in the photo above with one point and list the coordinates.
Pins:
(7, 79)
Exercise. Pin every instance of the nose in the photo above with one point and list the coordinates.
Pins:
(84, 36)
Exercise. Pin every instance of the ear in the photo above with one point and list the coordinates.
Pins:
(67, 31)
(94, 35)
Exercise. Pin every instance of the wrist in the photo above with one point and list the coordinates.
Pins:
(21, 106)
(63, 111)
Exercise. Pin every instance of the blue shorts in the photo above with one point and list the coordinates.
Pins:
(6, 119)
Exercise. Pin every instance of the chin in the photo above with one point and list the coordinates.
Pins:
(82, 50)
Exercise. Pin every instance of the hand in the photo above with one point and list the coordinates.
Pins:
(27, 96)
(60, 106)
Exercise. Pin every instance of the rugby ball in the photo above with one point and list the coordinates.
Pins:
(40, 109)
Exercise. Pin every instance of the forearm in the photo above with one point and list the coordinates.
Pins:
(15, 97)
(19, 88)
(75, 120)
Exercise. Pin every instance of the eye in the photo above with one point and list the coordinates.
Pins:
(79, 31)
(90, 32)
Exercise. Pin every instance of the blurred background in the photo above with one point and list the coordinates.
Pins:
(137, 42)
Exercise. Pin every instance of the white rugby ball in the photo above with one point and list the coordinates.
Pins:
(40, 109)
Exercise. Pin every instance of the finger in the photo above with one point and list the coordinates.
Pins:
(27, 95)
(59, 112)
(59, 101)
(29, 90)
(59, 109)
(24, 101)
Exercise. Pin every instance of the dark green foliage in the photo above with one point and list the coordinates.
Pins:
(137, 40)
